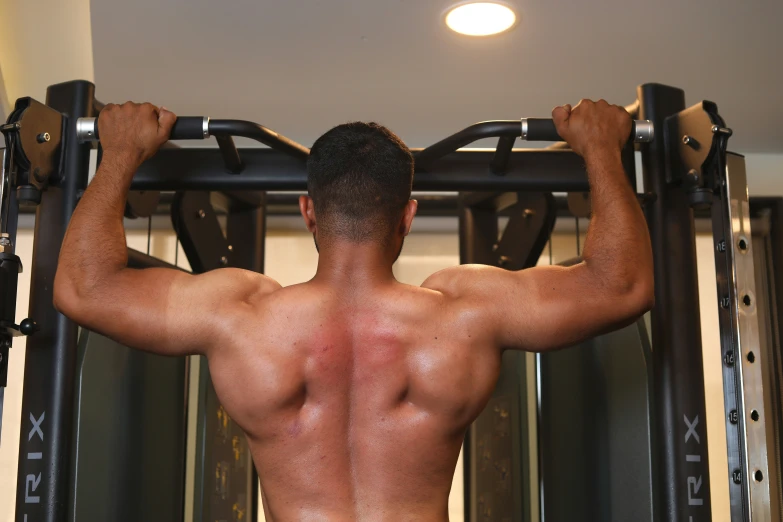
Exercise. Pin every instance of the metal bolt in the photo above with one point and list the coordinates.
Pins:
(721, 246)
(686, 139)
(43, 137)
(224, 260)
(201, 214)
(717, 129)
(736, 476)
(528, 212)
(495, 247)
(230, 248)
(504, 260)
(733, 417)
(5, 242)
(729, 359)
(724, 302)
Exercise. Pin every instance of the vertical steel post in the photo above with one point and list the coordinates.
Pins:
(683, 487)
(50, 365)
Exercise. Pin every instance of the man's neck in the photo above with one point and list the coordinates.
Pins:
(354, 264)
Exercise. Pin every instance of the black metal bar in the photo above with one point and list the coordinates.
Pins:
(198, 229)
(287, 204)
(683, 490)
(230, 154)
(478, 131)
(47, 404)
(254, 131)
(502, 153)
(246, 232)
(266, 169)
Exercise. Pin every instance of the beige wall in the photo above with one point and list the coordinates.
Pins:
(42, 43)
(12, 407)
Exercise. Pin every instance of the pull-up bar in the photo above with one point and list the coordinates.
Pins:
(201, 127)
(503, 169)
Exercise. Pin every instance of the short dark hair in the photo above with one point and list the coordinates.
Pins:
(359, 176)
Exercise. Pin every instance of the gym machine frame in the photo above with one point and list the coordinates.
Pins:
(47, 162)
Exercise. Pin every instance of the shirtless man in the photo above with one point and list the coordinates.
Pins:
(355, 390)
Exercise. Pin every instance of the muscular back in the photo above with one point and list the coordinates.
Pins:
(355, 404)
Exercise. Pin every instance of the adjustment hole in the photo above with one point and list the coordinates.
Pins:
(743, 245)
(759, 476)
(751, 357)
(754, 415)
(746, 300)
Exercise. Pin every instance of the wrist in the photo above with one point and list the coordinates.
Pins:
(603, 156)
(120, 159)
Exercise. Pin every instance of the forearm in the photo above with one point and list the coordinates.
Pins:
(617, 248)
(94, 247)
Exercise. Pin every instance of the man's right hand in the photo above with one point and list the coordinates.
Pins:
(593, 128)
(134, 132)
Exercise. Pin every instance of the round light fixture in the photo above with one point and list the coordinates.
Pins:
(480, 18)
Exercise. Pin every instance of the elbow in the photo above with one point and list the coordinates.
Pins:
(67, 298)
(643, 296)
(631, 290)
(638, 294)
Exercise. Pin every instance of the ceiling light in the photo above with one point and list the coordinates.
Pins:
(480, 18)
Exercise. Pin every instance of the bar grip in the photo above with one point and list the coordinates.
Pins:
(185, 128)
(543, 129)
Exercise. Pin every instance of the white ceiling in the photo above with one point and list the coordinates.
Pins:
(303, 66)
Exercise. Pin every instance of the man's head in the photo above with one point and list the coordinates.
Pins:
(359, 180)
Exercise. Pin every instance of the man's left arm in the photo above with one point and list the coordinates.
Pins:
(159, 310)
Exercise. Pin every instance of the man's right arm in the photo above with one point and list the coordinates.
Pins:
(551, 307)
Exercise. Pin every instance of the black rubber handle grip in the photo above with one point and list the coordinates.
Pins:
(543, 129)
(185, 128)
(189, 128)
